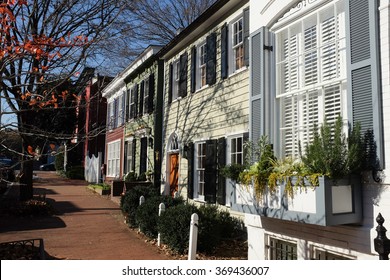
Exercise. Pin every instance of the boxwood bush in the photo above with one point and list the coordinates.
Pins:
(147, 214)
(214, 225)
(174, 226)
(130, 201)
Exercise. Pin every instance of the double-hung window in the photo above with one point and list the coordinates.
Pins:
(146, 96)
(176, 80)
(110, 118)
(238, 43)
(120, 110)
(236, 145)
(132, 103)
(113, 158)
(200, 165)
(202, 65)
(311, 75)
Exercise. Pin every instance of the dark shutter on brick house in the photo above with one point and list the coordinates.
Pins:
(183, 75)
(193, 69)
(170, 89)
(246, 36)
(224, 51)
(221, 192)
(363, 69)
(211, 58)
(190, 168)
(210, 171)
(151, 93)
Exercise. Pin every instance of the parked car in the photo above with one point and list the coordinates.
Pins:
(47, 167)
(7, 169)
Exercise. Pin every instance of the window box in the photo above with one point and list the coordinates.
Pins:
(330, 203)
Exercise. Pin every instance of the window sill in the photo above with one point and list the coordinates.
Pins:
(238, 72)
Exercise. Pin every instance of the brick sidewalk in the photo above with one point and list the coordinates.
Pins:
(87, 226)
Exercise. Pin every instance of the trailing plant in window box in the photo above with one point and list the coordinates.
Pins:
(233, 171)
(330, 154)
(259, 173)
(293, 174)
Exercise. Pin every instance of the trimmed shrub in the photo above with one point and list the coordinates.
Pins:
(147, 214)
(214, 226)
(75, 172)
(174, 226)
(130, 201)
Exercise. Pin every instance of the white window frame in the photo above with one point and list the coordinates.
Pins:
(199, 176)
(146, 97)
(303, 89)
(201, 66)
(113, 158)
(132, 104)
(111, 106)
(129, 156)
(175, 79)
(120, 110)
(237, 44)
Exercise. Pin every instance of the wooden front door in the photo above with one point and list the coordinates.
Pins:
(174, 173)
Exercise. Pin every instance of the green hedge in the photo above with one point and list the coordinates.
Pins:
(214, 226)
(147, 214)
(174, 226)
(130, 201)
(75, 172)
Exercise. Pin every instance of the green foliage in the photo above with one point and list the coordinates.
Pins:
(75, 172)
(102, 186)
(232, 171)
(174, 226)
(59, 160)
(260, 171)
(33, 207)
(214, 225)
(130, 177)
(130, 201)
(147, 213)
(332, 154)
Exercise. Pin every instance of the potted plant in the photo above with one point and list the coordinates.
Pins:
(331, 166)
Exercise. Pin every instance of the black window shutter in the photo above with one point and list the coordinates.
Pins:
(135, 100)
(151, 93)
(133, 153)
(143, 155)
(170, 89)
(224, 52)
(127, 113)
(210, 190)
(183, 75)
(141, 98)
(193, 69)
(109, 125)
(123, 116)
(190, 175)
(221, 193)
(125, 157)
(116, 112)
(246, 36)
(211, 58)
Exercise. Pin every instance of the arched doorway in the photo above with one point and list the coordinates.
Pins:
(173, 164)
